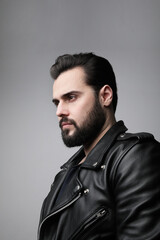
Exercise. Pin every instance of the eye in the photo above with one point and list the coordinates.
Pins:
(71, 97)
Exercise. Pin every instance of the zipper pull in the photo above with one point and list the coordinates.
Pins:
(101, 213)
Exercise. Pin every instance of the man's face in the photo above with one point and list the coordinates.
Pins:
(80, 114)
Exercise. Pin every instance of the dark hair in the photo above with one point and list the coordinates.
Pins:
(98, 70)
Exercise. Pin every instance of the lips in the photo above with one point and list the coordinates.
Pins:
(65, 124)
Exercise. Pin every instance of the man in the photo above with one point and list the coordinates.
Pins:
(110, 189)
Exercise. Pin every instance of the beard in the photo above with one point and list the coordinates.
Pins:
(89, 129)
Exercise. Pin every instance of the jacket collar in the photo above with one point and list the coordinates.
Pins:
(95, 156)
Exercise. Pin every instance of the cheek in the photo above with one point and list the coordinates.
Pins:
(82, 113)
(79, 110)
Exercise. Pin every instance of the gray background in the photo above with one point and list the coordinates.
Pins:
(32, 34)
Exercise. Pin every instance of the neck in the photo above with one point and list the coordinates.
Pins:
(108, 124)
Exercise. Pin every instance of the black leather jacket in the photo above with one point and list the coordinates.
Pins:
(114, 196)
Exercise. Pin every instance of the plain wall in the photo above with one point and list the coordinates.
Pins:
(32, 34)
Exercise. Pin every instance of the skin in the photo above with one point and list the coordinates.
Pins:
(74, 99)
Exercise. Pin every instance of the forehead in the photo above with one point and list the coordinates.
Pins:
(70, 80)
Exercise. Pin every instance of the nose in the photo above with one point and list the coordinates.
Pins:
(62, 110)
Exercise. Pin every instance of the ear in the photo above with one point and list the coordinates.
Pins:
(106, 95)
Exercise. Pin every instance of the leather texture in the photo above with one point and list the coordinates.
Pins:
(114, 196)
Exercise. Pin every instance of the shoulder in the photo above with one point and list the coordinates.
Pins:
(141, 153)
(141, 140)
(135, 152)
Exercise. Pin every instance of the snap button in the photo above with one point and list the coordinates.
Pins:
(103, 166)
(86, 191)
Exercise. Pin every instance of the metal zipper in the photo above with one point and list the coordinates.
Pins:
(91, 220)
(57, 211)
(96, 217)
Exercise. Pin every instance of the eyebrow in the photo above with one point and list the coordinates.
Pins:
(55, 100)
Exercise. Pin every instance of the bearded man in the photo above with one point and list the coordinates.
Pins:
(110, 188)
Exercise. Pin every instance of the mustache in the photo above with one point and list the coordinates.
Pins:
(66, 120)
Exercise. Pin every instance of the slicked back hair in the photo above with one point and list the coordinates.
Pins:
(98, 70)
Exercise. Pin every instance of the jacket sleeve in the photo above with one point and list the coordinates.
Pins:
(137, 193)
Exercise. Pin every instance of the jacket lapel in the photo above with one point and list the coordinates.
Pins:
(95, 157)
